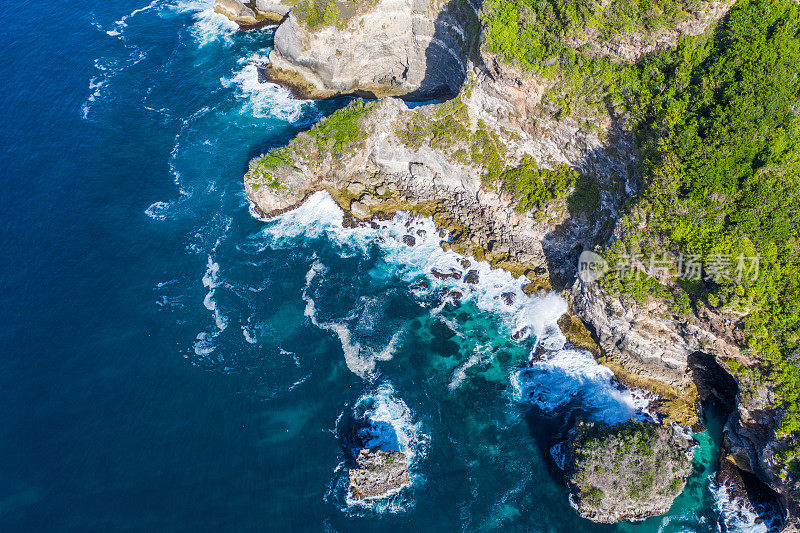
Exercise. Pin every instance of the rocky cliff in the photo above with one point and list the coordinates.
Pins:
(411, 48)
(451, 161)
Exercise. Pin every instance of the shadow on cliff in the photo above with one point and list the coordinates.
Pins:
(455, 39)
(607, 182)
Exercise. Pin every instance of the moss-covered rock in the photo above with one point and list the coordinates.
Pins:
(630, 471)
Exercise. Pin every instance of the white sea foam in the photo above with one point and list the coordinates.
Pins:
(158, 210)
(394, 423)
(481, 355)
(122, 23)
(208, 26)
(736, 514)
(553, 383)
(211, 281)
(204, 344)
(320, 216)
(264, 100)
(567, 376)
(359, 359)
(249, 335)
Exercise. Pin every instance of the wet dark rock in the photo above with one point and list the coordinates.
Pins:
(452, 274)
(421, 285)
(508, 297)
(471, 277)
(409, 240)
(521, 334)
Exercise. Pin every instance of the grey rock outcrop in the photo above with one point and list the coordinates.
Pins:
(411, 48)
(378, 473)
(251, 15)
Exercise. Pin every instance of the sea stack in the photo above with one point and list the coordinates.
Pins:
(378, 473)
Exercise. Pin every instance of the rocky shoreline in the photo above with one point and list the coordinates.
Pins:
(413, 160)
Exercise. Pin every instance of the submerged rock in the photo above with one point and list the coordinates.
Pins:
(631, 471)
(378, 473)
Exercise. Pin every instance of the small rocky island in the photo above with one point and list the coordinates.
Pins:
(378, 473)
(631, 471)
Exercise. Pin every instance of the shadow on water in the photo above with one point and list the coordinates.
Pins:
(357, 433)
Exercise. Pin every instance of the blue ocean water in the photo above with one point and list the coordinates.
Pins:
(173, 363)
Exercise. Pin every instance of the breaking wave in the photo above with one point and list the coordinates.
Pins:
(264, 99)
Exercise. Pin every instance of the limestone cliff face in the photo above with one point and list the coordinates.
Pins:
(442, 160)
(499, 113)
(411, 48)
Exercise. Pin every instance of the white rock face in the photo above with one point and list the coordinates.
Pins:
(236, 11)
(272, 7)
(399, 47)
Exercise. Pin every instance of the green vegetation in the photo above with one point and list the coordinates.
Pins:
(719, 132)
(331, 138)
(634, 461)
(717, 124)
(535, 33)
(336, 13)
(341, 131)
(535, 188)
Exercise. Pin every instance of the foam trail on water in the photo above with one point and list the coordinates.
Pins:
(359, 359)
(122, 23)
(481, 355)
(319, 217)
(211, 281)
(565, 375)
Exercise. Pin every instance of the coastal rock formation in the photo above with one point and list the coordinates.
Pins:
(627, 472)
(378, 473)
(448, 161)
(411, 48)
(251, 15)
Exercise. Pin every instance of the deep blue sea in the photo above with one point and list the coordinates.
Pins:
(171, 363)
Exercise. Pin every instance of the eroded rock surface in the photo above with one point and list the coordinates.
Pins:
(378, 473)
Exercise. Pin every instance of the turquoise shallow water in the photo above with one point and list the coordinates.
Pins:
(173, 363)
